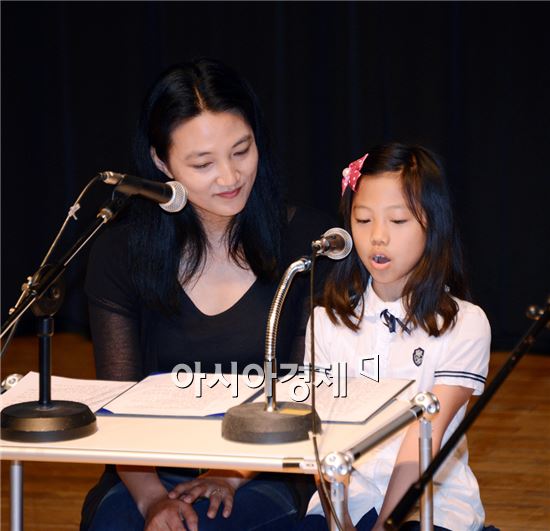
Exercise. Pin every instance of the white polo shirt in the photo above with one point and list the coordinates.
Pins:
(459, 357)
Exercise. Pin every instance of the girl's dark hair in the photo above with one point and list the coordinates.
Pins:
(439, 272)
(158, 240)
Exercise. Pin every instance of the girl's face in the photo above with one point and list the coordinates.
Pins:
(214, 155)
(388, 238)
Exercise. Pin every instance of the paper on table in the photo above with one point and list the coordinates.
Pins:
(158, 395)
(363, 398)
(93, 393)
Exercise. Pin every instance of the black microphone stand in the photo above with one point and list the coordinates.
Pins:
(46, 419)
(415, 491)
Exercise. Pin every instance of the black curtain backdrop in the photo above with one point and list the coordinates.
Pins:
(469, 80)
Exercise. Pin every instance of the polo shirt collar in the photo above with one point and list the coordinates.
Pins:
(374, 305)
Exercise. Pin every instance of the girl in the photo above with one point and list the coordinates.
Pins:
(400, 298)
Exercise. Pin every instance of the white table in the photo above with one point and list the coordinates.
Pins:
(180, 442)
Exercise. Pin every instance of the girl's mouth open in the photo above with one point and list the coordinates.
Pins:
(380, 261)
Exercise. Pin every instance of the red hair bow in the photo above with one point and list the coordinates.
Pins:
(352, 173)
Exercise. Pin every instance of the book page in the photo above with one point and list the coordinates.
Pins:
(93, 393)
(197, 395)
(351, 399)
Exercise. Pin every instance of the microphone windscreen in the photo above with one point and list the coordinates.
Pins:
(178, 199)
(343, 246)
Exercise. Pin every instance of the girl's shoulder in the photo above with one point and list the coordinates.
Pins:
(467, 308)
(471, 318)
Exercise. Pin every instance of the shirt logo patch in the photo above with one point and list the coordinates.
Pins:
(418, 356)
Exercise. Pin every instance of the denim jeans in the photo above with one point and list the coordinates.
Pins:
(259, 505)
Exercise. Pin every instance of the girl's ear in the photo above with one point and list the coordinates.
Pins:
(159, 163)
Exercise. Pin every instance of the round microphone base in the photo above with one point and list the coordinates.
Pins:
(59, 420)
(251, 423)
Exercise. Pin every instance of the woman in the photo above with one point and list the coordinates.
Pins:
(197, 286)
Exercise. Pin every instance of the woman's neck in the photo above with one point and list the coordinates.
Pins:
(215, 228)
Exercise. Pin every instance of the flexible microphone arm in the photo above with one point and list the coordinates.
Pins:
(49, 277)
(270, 362)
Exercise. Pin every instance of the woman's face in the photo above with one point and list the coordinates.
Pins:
(214, 155)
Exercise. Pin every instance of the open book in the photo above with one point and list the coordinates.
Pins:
(157, 395)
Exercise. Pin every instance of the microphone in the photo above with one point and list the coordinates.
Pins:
(170, 196)
(336, 243)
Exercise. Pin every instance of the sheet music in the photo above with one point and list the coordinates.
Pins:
(93, 393)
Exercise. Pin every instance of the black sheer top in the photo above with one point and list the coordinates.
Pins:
(131, 340)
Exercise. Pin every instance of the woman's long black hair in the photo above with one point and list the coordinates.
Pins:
(158, 240)
(439, 272)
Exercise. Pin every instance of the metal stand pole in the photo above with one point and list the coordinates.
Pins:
(16, 495)
(45, 333)
(426, 500)
(430, 405)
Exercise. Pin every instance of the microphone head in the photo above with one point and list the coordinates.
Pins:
(340, 243)
(178, 199)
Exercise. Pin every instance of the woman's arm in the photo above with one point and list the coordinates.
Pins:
(117, 357)
(117, 352)
(114, 308)
(406, 469)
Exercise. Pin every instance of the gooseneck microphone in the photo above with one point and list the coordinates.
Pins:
(336, 243)
(170, 196)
